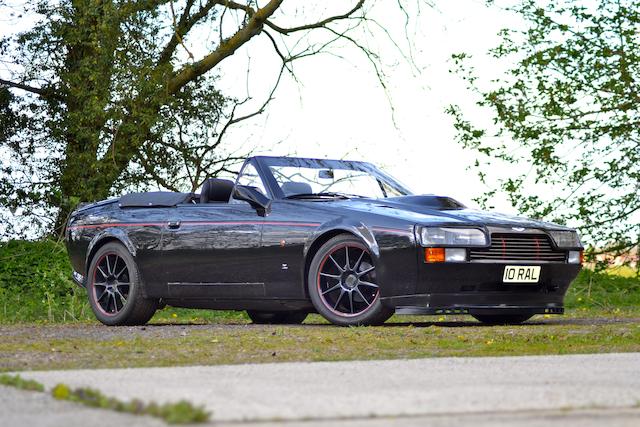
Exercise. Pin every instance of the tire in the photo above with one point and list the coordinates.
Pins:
(342, 284)
(114, 288)
(277, 317)
(502, 319)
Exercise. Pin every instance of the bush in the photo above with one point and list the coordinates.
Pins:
(36, 285)
(603, 290)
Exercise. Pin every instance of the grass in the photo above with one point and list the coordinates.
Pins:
(85, 346)
(36, 285)
(182, 412)
(45, 323)
(20, 383)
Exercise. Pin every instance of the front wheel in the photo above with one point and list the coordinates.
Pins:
(343, 284)
(277, 317)
(114, 288)
(502, 319)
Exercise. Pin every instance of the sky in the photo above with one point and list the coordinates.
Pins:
(338, 109)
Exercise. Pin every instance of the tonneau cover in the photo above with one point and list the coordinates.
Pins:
(154, 199)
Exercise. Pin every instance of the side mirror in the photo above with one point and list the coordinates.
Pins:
(259, 201)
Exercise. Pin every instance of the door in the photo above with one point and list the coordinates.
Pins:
(210, 250)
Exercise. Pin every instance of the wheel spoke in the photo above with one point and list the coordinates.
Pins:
(362, 296)
(339, 298)
(346, 257)
(357, 264)
(336, 263)
(108, 265)
(120, 272)
(351, 301)
(104, 275)
(373, 285)
(104, 291)
(331, 289)
(368, 270)
(123, 300)
(333, 276)
(115, 267)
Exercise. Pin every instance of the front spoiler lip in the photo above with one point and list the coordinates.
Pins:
(480, 309)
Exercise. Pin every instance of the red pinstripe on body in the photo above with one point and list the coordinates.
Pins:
(161, 224)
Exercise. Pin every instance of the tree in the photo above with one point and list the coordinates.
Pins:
(110, 96)
(567, 113)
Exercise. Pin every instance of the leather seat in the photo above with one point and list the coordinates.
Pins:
(216, 190)
(291, 188)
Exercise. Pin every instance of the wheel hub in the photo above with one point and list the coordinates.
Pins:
(351, 281)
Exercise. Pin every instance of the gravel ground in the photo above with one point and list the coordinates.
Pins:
(99, 332)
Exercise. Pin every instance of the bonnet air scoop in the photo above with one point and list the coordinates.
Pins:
(430, 201)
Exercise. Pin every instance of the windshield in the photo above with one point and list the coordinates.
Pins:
(302, 178)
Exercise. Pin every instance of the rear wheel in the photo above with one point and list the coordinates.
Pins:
(343, 284)
(114, 288)
(502, 319)
(277, 317)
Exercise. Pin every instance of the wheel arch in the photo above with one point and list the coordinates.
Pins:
(107, 236)
(324, 234)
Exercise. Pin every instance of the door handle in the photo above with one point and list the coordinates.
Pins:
(173, 225)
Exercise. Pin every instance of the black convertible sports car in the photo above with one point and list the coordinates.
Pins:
(292, 236)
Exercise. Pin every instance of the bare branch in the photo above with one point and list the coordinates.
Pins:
(185, 24)
(319, 24)
(36, 90)
(176, 32)
(225, 49)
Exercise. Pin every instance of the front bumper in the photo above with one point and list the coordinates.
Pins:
(477, 288)
(78, 279)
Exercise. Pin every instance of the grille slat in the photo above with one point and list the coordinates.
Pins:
(518, 247)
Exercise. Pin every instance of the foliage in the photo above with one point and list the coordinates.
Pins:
(566, 116)
(604, 290)
(181, 412)
(18, 382)
(107, 96)
(36, 285)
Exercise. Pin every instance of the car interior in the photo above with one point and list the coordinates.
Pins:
(216, 190)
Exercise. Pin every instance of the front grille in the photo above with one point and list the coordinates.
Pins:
(508, 247)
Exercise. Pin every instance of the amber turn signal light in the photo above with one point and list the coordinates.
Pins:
(434, 254)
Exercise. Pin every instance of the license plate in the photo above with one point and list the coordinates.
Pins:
(521, 274)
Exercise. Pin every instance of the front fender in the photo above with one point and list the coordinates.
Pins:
(347, 225)
(104, 236)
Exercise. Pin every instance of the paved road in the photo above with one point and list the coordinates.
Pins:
(30, 409)
(440, 389)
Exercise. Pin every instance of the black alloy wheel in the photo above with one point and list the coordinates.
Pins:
(343, 283)
(115, 288)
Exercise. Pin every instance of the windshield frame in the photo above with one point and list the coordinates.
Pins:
(263, 164)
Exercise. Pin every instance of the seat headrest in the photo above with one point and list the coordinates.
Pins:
(216, 190)
(291, 187)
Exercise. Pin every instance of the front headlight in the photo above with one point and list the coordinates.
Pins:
(449, 236)
(566, 239)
